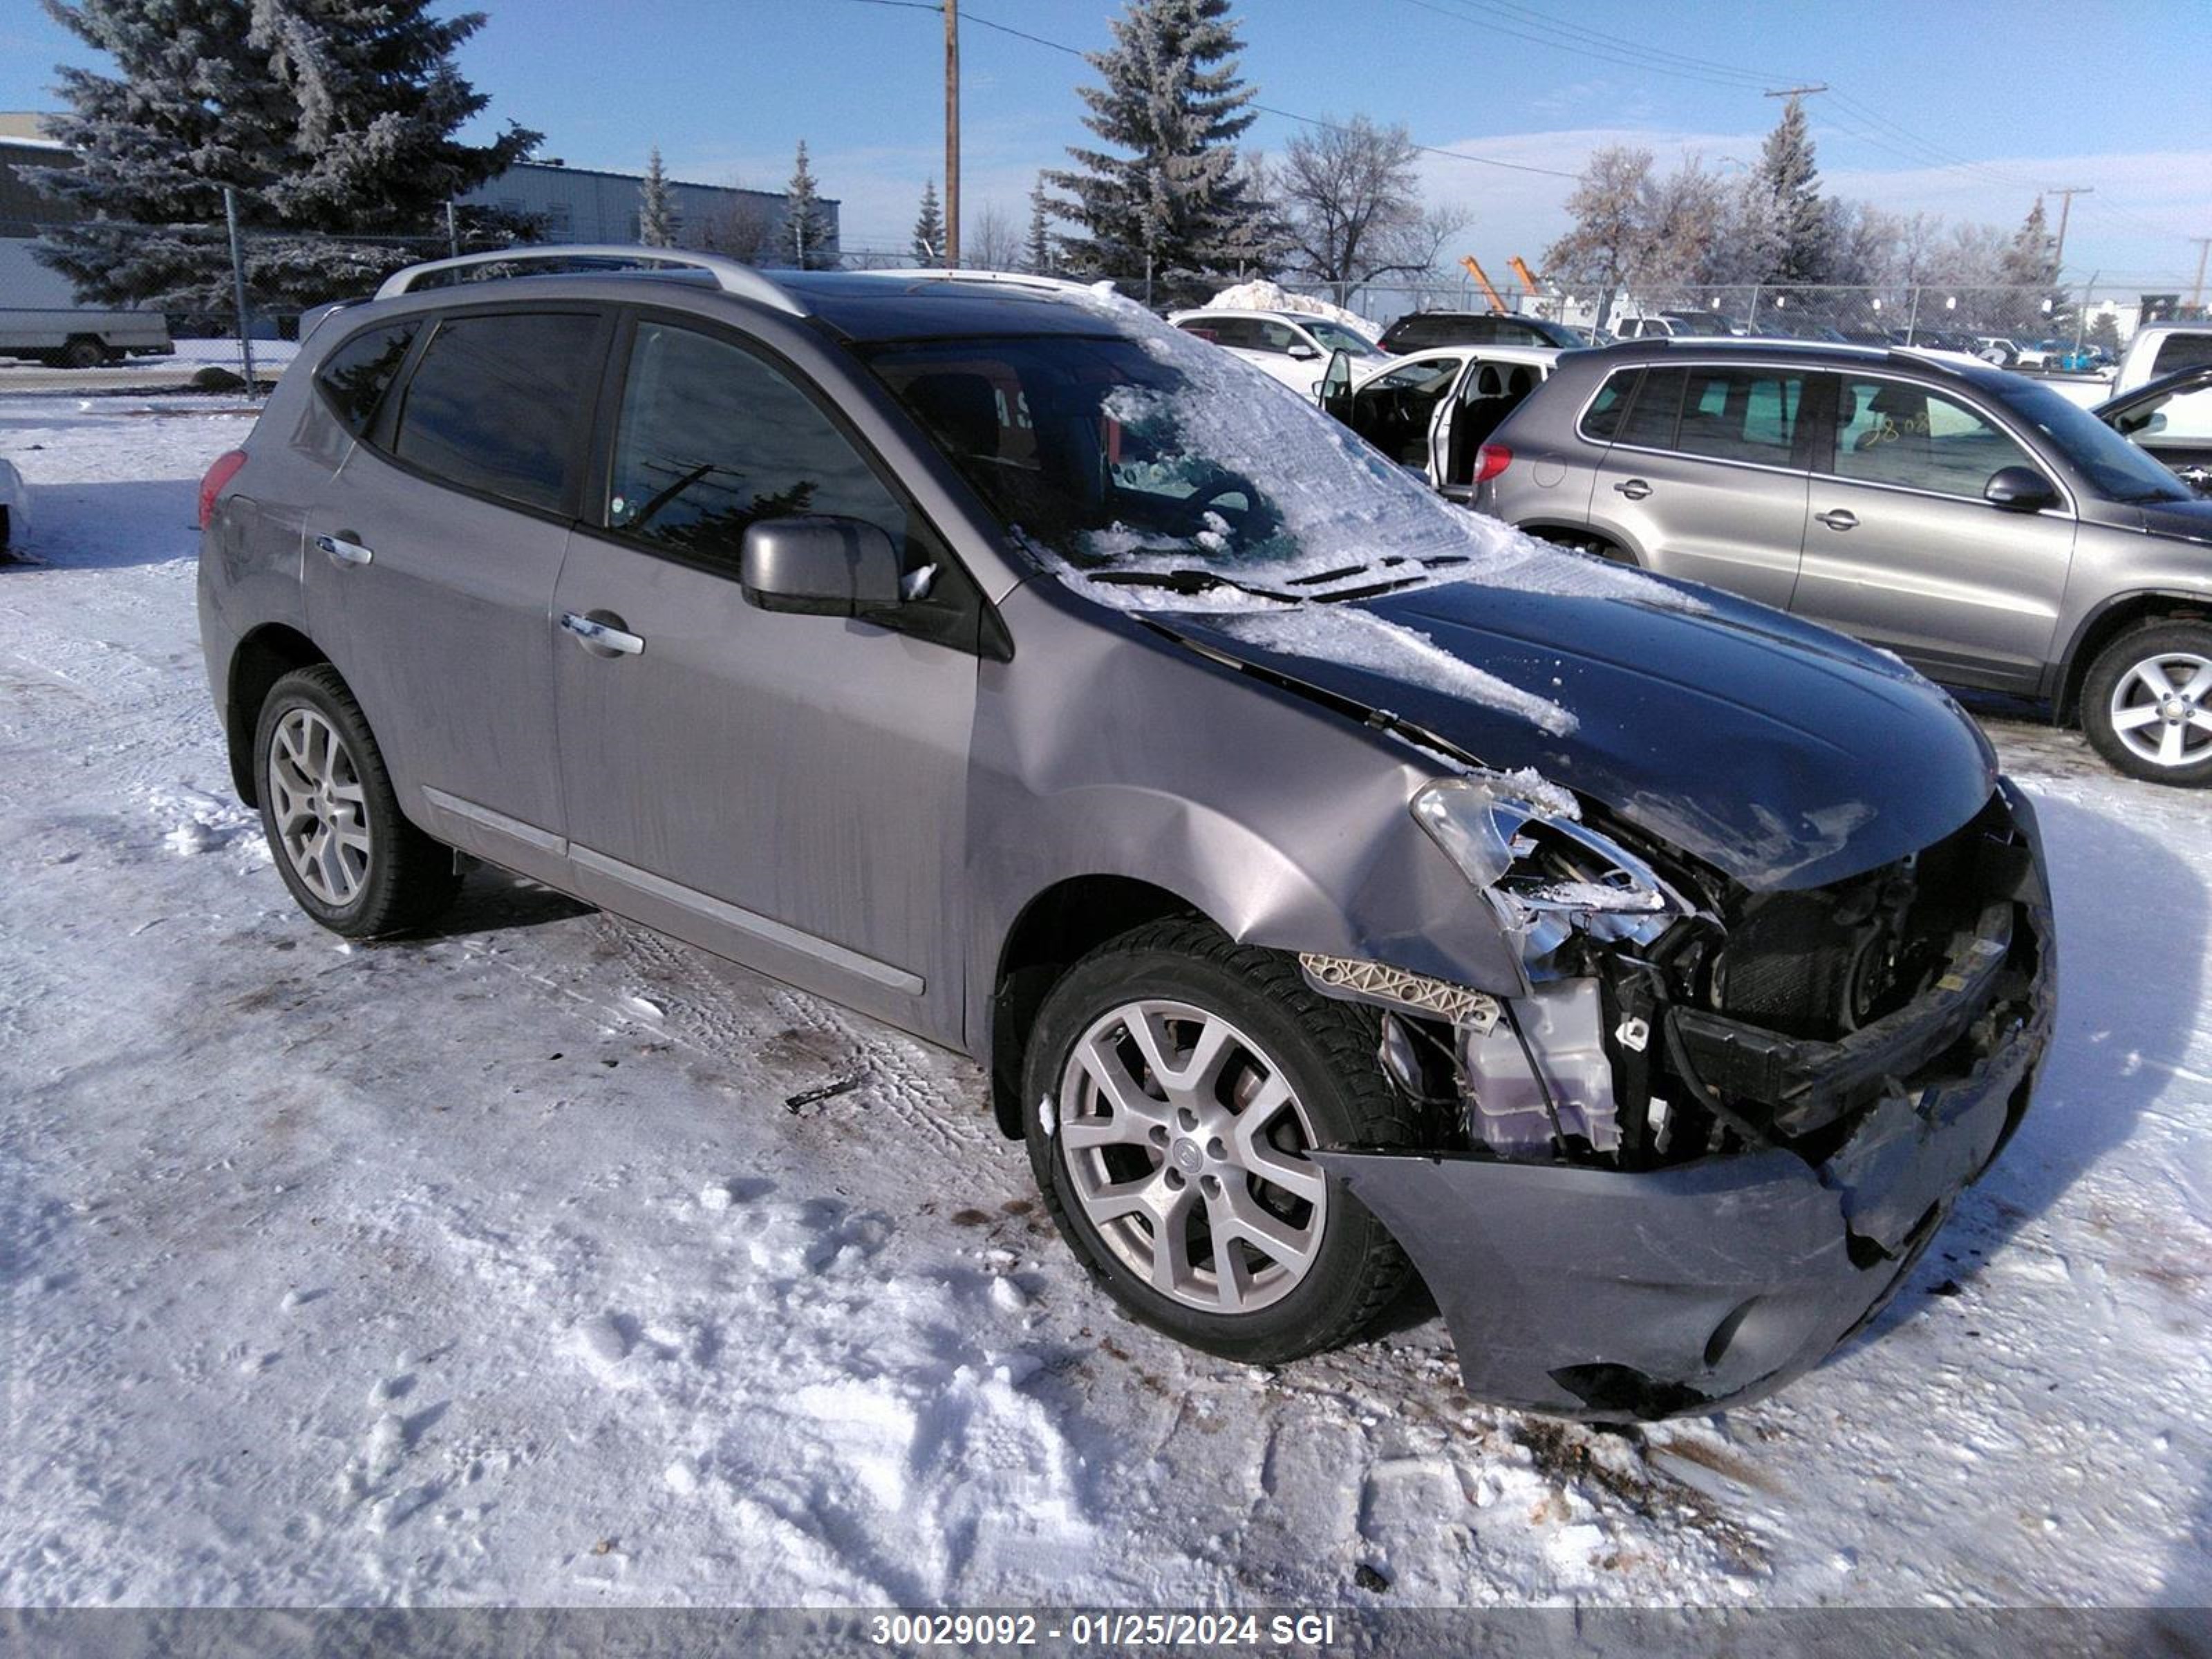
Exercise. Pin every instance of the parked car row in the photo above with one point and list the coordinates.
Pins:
(1334, 887)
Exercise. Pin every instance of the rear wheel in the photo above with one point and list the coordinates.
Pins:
(83, 352)
(350, 857)
(2147, 704)
(1175, 1085)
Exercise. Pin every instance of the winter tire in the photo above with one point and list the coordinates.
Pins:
(82, 353)
(2147, 704)
(1173, 1082)
(351, 860)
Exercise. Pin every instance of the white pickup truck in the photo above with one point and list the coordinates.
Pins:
(2157, 348)
(45, 324)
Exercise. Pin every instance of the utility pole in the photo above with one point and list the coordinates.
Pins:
(1796, 92)
(951, 135)
(237, 290)
(2065, 207)
(2197, 294)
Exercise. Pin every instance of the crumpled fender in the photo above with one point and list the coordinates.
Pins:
(1286, 825)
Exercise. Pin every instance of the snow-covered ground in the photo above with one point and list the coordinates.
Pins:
(544, 1261)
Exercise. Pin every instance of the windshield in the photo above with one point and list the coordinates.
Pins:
(1337, 338)
(2112, 467)
(1140, 457)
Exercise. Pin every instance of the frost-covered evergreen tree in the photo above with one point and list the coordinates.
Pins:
(656, 220)
(808, 242)
(329, 115)
(2034, 304)
(1037, 247)
(1783, 203)
(929, 228)
(1168, 203)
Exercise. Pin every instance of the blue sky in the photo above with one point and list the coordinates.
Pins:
(2025, 93)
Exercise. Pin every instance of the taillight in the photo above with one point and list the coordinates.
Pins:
(224, 469)
(1489, 460)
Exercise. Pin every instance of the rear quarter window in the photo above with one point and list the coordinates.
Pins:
(492, 403)
(356, 376)
(1602, 420)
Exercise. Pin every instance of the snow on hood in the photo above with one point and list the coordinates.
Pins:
(1264, 295)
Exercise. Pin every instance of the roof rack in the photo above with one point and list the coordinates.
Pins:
(729, 276)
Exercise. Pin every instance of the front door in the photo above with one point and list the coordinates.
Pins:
(431, 559)
(1902, 550)
(788, 790)
(1706, 477)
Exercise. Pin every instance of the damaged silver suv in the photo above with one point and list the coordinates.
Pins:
(1337, 886)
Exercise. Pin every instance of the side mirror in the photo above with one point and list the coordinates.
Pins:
(2020, 489)
(1303, 353)
(819, 565)
(1335, 391)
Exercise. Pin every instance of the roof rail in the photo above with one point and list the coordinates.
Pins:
(729, 276)
(1011, 279)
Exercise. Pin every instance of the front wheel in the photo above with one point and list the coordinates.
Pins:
(2147, 704)
(350, 857)
(1175, 1085)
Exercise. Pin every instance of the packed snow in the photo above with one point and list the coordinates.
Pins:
(541, 1259)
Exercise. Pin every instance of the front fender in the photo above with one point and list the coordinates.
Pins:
(1281, 818)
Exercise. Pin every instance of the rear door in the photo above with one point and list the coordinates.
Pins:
(430, 564)
(788, 790)
(1706, 478)
(1901, 549)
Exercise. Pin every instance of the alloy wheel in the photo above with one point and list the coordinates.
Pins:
(1186, 1144)
(320, 807)
(2161, 710)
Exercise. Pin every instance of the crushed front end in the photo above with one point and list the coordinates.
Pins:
(1716, 1128)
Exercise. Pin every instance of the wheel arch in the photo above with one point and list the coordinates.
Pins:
(2106, 623)
(1603, 543)
(262, 657)
(1056, 929)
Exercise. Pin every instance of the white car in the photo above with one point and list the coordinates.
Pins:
(1292, 346)
(1431, 411)
(15, 508)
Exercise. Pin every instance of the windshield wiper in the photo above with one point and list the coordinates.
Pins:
(1190, 581)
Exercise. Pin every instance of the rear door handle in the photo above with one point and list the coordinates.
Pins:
(1635, 489)
(602, 632)
(343, 550)
(1838, 520)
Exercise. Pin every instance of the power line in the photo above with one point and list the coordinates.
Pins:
(1266, 109)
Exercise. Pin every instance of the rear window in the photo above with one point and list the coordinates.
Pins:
(354, 377)
(2181, 351)
(1741, 415)
(492, 405)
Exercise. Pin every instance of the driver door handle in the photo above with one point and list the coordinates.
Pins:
(1635, 489)
(1837, 518)
(602, 635)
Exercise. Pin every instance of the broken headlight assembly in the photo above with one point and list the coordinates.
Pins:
(1552, 880)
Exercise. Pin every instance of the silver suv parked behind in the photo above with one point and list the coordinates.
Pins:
(1335, 885)
(1988, 530)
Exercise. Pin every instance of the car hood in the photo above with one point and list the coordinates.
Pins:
(1785, 755)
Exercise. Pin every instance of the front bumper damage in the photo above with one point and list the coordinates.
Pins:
(1616, 1294)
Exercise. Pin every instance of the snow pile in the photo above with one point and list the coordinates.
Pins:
(1261, 294)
